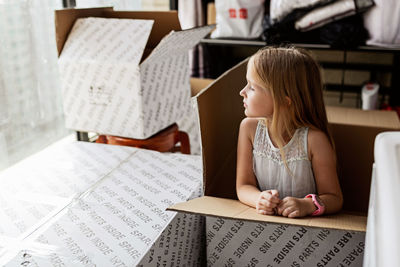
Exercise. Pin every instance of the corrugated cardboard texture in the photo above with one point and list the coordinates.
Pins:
(230, 208)
(354, 132)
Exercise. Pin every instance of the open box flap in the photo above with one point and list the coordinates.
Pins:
(65, 18)
(108, 40)
(164, 22)
(234, 209)
(177, 43)
(220, 114)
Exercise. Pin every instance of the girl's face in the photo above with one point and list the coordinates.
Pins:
(257, 100)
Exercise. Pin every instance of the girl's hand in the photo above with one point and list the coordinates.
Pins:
(267, 202)
(295, 207)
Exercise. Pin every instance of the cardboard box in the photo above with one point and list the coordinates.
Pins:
(124, 73)
(85, 204)
(331, 239)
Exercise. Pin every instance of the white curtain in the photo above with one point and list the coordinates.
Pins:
(31, 115)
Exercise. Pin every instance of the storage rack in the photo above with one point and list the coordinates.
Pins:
(227, 47)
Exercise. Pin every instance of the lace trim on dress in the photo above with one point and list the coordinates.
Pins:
(295, 150)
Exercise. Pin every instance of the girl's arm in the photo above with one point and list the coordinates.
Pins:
(246, 183)
(323, 161)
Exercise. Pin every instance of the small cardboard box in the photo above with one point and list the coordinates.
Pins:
(236, 234)
(124, 73)
(83, 204)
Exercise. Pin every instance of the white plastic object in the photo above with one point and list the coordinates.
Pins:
(383, 231)
(382, 22)
(238, 19)
(369, 96)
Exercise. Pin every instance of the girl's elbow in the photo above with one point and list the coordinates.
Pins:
(338, 204)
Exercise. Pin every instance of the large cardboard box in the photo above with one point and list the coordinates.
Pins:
(124, 73)
(84, 204)
(236, 234)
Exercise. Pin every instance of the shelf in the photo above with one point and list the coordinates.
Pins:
(234, 42)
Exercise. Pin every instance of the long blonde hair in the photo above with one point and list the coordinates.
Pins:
(294, 80)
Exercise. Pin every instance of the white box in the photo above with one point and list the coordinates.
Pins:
(241, 243)
(84, 204)
(124, 73)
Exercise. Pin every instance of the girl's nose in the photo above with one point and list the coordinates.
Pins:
(242, 92)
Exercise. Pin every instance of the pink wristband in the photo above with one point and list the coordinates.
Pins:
(318, 203)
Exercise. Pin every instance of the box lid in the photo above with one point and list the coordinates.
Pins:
(234, 209)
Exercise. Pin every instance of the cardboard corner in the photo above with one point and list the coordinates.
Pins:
(198, 84)
(65, 18)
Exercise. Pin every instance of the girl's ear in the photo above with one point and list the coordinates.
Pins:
(288, 101)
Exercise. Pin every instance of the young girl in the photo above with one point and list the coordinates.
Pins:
(286, 162)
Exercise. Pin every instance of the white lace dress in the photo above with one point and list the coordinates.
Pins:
(270, 169)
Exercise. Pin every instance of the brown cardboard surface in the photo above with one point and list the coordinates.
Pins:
(372, 118)
(197, 84)
(164, 22)
(211, 14)
(355, 156)
(354, 132)
(220, 116)
(229, 208)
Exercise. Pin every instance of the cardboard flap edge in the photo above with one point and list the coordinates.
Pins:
(234, 209)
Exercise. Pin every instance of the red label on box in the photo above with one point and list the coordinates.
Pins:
(232, 13)
(243, 13)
